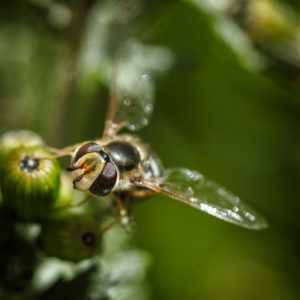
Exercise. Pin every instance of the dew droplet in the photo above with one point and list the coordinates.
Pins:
(209, 209)
(148, 108)
(194, 200)
(190, 190)
(125, 220)
(144, 121)
(198, 176)
(132, 127)
(234, 215)
(235, 209)
(222, 192)
(249, 216)
(127, 101)
(145, 76)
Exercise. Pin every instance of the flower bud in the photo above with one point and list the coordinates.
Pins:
(67, 194)
(29, 185)
(14, 139)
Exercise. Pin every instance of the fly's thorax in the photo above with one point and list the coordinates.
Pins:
(124, 154)
(93, 170)
(133, 159)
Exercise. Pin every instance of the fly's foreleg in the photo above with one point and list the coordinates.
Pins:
(85, 200)
(123, 217)
(57, 153)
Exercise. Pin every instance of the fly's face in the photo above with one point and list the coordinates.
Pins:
(92, 170)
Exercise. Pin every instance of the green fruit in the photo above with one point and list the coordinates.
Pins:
(67, 193)
(70, 236)
(29, 186)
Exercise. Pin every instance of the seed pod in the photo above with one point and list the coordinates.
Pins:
(14, 139)
(29, 186)
(70, 236)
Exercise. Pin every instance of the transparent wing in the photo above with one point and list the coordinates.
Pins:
(195, 190)
(132, 92)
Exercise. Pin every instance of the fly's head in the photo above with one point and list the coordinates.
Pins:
(92, 170)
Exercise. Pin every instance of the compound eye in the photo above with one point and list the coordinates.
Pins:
(105, 182)
(86, 148)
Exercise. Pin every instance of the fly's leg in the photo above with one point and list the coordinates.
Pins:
(127, 221)
(128, 205)
(123, 215)
(85, 200)
(57, 153)
(110, 225)
(120, 206)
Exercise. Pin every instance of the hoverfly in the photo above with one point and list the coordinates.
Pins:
(124, 166)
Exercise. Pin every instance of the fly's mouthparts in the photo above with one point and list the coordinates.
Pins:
(70, 169)
(79, 177)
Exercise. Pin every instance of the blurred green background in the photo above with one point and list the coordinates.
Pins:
(227, 104)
